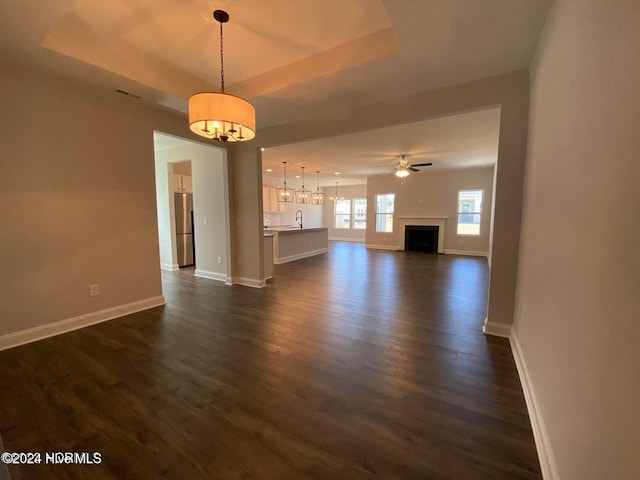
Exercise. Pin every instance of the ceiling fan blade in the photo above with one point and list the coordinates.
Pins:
(411, 169)
(421, 164)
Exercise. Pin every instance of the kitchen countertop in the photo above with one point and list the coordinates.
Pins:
(292, 229)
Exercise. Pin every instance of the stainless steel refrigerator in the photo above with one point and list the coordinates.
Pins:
(184, 229)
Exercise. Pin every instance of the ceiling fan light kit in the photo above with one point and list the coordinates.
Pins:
(218, 115)
(404, 168)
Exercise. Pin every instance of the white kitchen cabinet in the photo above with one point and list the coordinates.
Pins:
(182, 183)
(273, 195)
(187, 183)
(270, 200)
(268, 255)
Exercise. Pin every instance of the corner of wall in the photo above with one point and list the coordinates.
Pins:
(543, 445)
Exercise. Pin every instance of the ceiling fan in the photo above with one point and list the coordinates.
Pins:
(403, 167)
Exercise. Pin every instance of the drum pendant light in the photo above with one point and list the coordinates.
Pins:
(218, 115)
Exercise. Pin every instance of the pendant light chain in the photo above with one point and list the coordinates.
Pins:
(218, 115)
(221, 59)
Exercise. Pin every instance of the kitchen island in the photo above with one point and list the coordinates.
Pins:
(294, 243)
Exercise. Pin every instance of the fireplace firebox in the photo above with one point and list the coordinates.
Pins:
(421, 238)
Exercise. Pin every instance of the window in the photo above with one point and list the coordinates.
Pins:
(360, 213)
(469, 212)
(350, 213)
(342, 214)
(384, 212)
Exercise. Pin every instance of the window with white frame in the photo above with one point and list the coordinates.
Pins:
(350, 213)
(359, 213)
(384, 212)
(342, 212)
(469, 212)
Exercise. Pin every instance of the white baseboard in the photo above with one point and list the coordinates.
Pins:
(496, 329)
(469, 253)
(543, 445)
(221, 277)
(340, 239)
(169, 267)
(298, 256)
(249, 282)
(29, 335)
(381, 247)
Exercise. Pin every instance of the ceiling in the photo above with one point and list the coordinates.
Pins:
(467, 140)
(318, 58)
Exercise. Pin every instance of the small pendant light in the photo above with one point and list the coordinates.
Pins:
(302, 195)
(318, 197)
(285, 194)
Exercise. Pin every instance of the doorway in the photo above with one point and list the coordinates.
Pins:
(192, 207)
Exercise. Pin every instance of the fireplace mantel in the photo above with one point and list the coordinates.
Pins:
(431, 221)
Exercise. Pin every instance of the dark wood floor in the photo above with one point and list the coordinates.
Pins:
(356, 364)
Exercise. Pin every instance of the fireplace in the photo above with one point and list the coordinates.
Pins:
(423, 221)
(421, 238)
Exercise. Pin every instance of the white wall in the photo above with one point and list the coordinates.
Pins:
(349, 192)
(432, 193)
(311, 215)
(166, 214)
(579, 269)
(210, 205)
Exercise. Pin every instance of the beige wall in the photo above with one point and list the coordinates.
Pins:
(346, 191)
(433, 194)
(77, 200)
(579, 272)
(247, 252)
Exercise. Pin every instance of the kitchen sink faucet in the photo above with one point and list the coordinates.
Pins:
(299, 217)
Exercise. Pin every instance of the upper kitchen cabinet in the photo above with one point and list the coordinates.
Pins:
(182, 183)
(270, 200)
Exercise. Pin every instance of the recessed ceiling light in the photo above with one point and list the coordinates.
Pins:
(297, 176)
(269, 170)
(336, 173)
(262, 149)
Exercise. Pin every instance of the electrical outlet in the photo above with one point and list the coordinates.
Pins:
(94, 290)
(205, 220)
(219, 259)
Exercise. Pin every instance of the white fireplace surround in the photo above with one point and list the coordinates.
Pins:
(423, 222)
